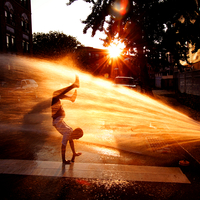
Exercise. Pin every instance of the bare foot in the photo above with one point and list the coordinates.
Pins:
(73, 97)
(66, 162)
(76, 83)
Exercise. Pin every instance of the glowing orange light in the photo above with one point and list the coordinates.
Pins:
(121, 6)
(115, 49)
(82, 182)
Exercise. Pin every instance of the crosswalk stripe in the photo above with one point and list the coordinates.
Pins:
(93, 170)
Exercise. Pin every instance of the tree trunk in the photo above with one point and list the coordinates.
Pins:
(146, 85)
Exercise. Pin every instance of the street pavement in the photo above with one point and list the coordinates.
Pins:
(30, 166)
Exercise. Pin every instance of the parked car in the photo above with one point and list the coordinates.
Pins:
(26, 84)
(125, 81)
(25, 88)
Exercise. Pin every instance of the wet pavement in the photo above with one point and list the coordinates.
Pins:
(93, 171)
(92, 180)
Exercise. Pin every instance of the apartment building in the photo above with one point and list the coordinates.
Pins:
(15, 27)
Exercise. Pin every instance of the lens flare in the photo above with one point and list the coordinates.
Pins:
(121, 6)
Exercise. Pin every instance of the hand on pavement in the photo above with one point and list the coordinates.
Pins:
(74, 155)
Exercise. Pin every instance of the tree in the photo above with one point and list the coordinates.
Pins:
(156, 26)
(54, 44)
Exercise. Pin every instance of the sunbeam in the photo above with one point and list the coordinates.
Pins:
(109, 115)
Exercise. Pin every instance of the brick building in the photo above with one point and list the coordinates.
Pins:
(16, 28)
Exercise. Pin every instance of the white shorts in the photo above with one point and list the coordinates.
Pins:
(63, 129)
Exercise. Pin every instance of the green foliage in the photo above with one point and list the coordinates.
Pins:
(53, 44)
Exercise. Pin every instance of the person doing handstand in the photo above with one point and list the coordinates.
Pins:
(58, 115)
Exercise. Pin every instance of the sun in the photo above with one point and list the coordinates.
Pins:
(115, 49)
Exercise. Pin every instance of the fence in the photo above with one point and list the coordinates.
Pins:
(189, 82)
(185, 82)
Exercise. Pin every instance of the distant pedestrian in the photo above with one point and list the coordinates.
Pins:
(58, 115)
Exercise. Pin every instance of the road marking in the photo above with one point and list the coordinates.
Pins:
(93, 170)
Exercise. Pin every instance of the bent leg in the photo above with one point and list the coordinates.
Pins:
(61, 92)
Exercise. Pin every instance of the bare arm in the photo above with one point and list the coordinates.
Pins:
(71, 142)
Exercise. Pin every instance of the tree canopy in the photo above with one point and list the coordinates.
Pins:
(154, 25)
(54, 44)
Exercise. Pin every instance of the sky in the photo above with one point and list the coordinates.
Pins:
(55, 15)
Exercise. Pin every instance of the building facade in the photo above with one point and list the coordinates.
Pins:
(16, 27)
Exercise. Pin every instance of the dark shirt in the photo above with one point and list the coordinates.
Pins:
(57, 109)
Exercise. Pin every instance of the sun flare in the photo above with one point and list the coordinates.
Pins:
(115, 49)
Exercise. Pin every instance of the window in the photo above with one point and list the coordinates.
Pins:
(25, 46)
(8, 41)
(24, 3)
(24, 23)
(25, 26)
(8, 12)
(13, 42)
(11, 17)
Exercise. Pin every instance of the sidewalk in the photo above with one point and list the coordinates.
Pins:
(93, 171)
